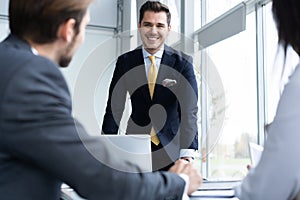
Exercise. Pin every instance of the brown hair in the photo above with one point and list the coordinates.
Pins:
(39, 20)
(155, 6)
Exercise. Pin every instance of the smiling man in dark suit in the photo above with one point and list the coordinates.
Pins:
(41, 145)
(169, 114)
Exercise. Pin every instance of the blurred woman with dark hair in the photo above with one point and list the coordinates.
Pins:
(277, 176)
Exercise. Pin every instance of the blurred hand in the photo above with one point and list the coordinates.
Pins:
(184, 167)
(189, 159)
(249, 167)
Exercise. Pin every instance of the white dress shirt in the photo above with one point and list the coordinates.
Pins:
(158, 56)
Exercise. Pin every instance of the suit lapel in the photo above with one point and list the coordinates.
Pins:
(167, 62)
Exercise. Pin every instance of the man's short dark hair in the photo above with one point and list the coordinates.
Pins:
(156, 7)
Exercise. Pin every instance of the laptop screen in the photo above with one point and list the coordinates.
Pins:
(135, 149)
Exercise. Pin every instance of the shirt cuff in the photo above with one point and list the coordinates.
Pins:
(187, 182)
(187, 153)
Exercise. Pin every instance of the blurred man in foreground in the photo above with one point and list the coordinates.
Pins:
(41, 145)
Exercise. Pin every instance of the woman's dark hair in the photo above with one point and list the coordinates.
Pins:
(156, 7)
(39, 20)
(286, 14)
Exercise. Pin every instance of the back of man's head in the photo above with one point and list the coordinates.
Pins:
(39, 20)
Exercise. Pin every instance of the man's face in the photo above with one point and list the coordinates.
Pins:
(154, 30)
(78, 39)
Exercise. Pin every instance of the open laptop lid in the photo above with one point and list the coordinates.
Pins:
(135, 149)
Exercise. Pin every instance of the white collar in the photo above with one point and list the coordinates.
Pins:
(158, 54)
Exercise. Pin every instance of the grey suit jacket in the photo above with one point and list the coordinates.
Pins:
(41, 145)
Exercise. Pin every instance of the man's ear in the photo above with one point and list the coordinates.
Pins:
(66, 30)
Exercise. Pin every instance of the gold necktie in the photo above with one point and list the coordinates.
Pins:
(152, 74)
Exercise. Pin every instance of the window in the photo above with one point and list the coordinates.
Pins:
(218, 7)
(249, 65)
(235, 61)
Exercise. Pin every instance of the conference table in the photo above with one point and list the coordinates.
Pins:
(209, 190)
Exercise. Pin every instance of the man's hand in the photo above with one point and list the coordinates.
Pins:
(249, 166)
(184, 167)
(187, 158)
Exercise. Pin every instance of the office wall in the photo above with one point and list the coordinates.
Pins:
(3, 19)
(4, 7)
(89, 75)
(4, 30)
(99, 10)
(104, 13)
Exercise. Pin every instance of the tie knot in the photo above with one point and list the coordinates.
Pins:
(152, 59)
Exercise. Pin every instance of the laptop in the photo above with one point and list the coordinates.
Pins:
(135, 149)
(216, 189)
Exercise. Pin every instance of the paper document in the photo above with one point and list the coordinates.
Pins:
(255, 151)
